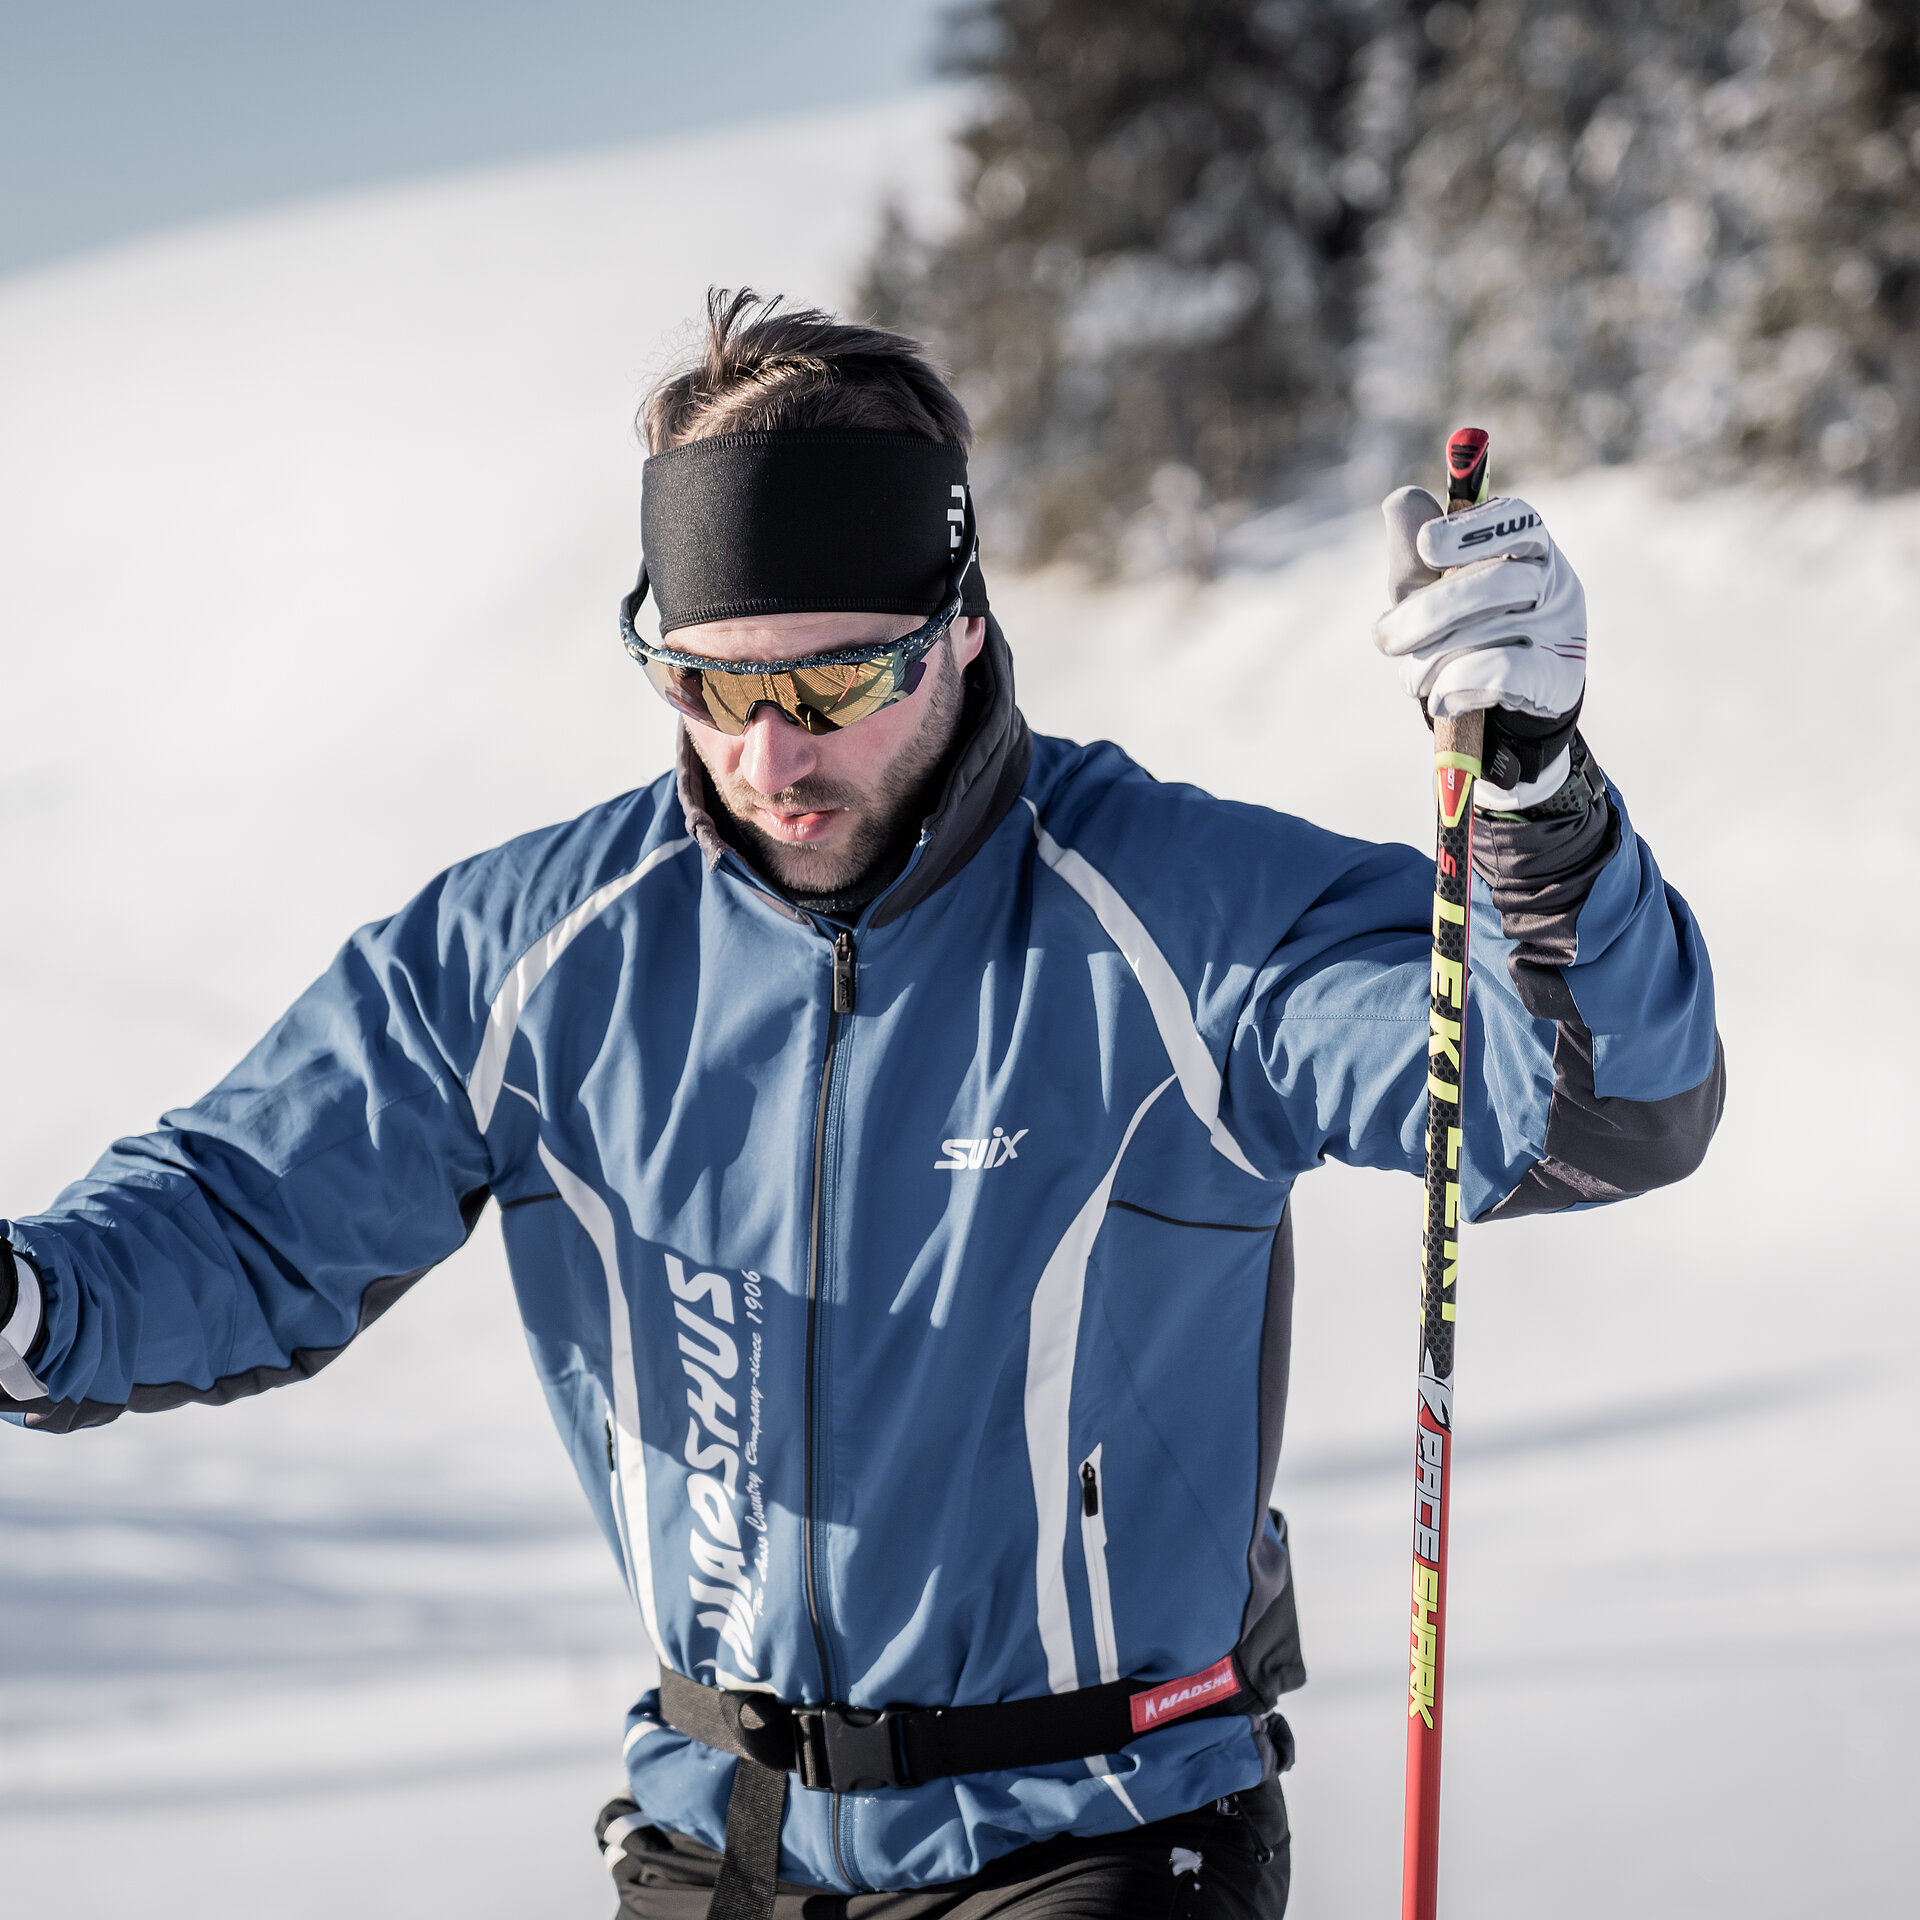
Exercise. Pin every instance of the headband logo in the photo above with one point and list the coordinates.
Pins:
(956, 518)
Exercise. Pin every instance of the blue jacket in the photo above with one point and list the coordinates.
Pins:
(840, 1311)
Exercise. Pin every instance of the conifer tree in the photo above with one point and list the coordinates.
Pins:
(1678, 230)
(1150, 299)
(1210, 247)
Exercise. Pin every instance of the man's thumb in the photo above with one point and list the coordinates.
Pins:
(1408, 510)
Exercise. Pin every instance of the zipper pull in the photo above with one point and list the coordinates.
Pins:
(1089, 1489)
(613, 1465)
(843, 972)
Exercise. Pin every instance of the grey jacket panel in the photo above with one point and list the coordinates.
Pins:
(1537, 874)
(1270, 1625)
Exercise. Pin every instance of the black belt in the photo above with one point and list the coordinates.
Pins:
(836, 1749)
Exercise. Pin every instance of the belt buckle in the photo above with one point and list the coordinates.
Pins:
(848, 1749)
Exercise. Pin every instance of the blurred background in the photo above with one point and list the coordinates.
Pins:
(118, 117)
(321, 334)
(1208, 250)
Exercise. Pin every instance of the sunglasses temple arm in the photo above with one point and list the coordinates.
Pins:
(630, 610)
(969, 551)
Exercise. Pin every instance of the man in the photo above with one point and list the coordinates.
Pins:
(893, 1117)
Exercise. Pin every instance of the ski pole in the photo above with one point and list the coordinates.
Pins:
(1456, 761)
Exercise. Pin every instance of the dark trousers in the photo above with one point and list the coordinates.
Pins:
(1229, 1860)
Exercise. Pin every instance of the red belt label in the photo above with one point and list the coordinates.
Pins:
(1174, 1698)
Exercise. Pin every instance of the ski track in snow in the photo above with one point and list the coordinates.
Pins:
(315, 524)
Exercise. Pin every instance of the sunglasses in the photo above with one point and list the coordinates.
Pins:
(821, 692)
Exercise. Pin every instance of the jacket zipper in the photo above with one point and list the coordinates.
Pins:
(841, 1003)
(1093, 1540)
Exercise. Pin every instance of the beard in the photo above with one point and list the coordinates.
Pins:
(878, 814)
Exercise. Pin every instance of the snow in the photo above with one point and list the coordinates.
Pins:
(315, 524)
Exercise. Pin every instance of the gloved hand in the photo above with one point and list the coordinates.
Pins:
(1507, 632)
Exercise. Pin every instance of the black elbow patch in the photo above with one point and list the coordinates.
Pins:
(69, 1416)
(1611, 1149)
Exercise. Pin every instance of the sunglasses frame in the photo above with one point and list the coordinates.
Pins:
(912, 646)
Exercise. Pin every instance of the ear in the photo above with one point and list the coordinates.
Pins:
(969, 636)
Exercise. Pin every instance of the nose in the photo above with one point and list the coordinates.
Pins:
(776, 752)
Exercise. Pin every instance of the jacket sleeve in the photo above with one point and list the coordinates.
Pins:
(249, 1238)
(1592, 1063)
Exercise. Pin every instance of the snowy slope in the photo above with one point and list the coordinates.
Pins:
(314, 525)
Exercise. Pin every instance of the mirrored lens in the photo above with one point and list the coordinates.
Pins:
(680, 688)
(821, 699)
(838, 696)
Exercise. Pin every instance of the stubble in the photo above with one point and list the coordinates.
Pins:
(878, 812)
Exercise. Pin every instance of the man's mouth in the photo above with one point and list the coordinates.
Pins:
(798, 828)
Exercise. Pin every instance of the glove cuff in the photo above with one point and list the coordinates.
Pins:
(1584, 784)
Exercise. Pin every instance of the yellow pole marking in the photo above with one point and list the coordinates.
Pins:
(1421, 1642)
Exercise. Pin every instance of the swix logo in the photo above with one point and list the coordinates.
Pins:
(975, 1156)
(1499, 530)
(956, 517)
(1178, 1697)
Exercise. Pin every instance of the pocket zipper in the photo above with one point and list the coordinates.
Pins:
(1093, 1540)
(618, 1495)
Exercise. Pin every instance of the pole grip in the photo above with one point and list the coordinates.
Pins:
(1466, 733)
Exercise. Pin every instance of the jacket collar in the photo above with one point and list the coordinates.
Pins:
(983, 782)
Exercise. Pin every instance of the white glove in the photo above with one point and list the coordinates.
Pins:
(1505, 627)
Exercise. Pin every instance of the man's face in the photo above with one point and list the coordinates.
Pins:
(818, 808)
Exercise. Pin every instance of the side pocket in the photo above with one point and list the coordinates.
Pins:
(1093, 1541)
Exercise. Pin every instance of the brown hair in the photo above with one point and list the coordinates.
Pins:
(763, 370)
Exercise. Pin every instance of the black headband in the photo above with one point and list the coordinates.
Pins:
(807, 522)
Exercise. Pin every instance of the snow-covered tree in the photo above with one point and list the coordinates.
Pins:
(1678, 230)
(1209, 248)
(1149, 301)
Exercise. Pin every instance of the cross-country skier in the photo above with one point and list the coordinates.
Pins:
(893, 1115)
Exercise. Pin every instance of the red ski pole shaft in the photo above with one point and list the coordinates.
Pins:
(1456, 760)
